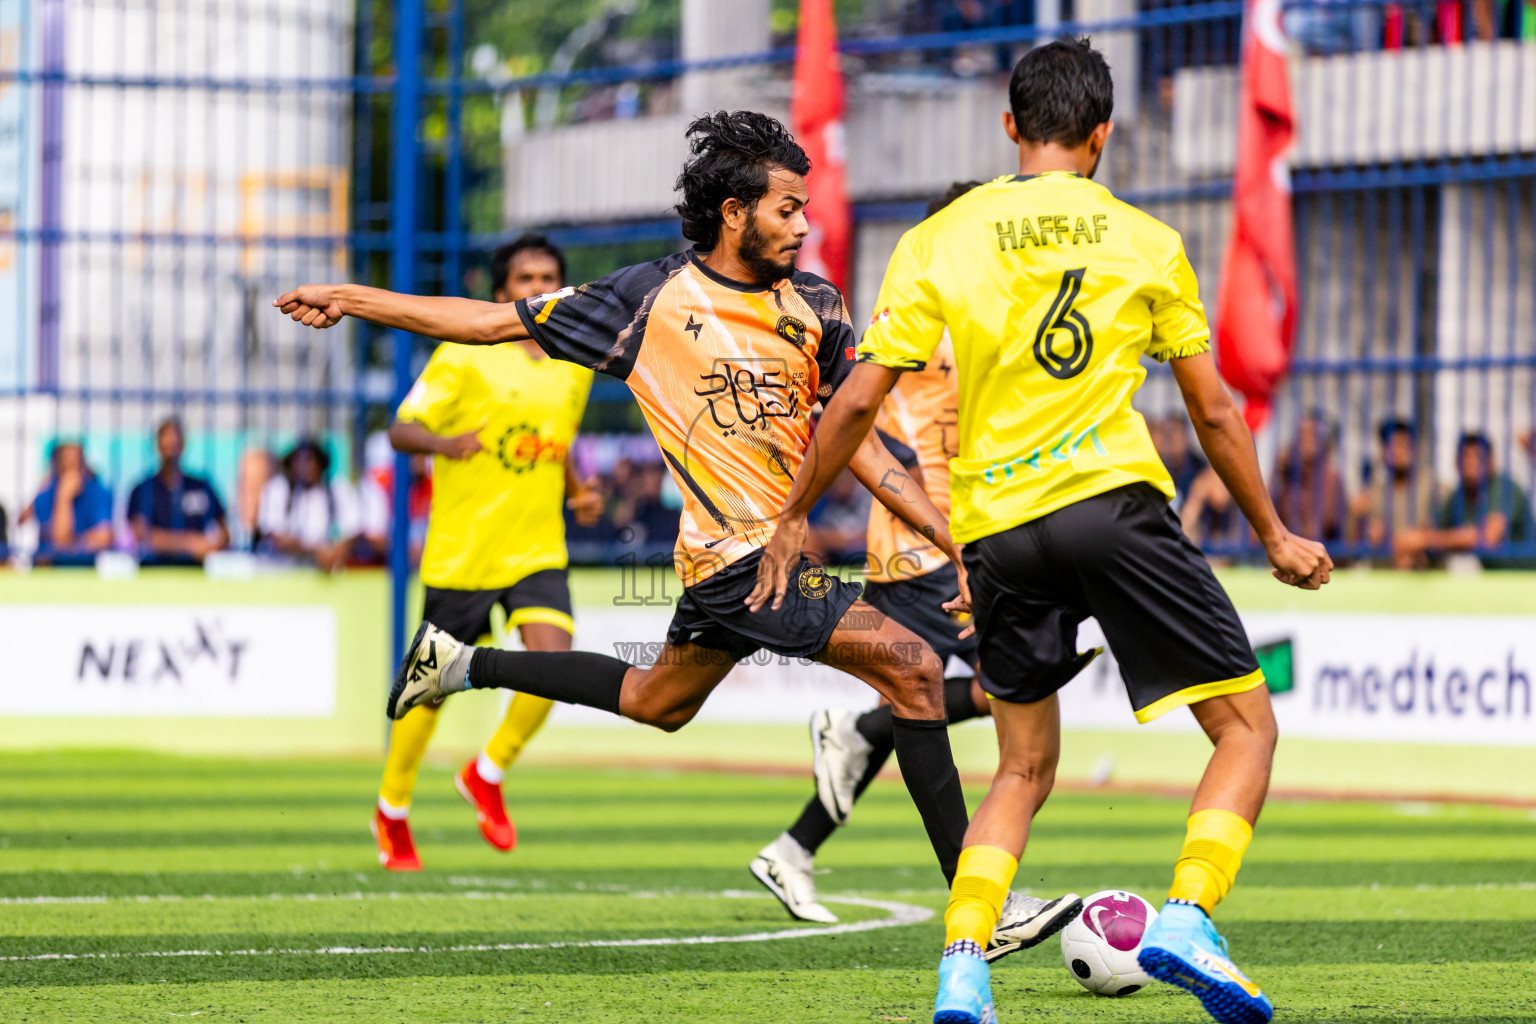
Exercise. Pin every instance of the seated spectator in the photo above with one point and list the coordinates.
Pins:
(5, 534)
(1307, 488)
(1485, 511)
(256, 468)
(303, 517)
(73, 510)
(376, 504)
(1210, 517)
(176, 519)
(1170, 436)
(1400, 497)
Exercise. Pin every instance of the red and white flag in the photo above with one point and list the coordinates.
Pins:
(1256, 307)
(818, 115)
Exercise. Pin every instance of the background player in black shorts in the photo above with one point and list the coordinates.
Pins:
(499, 423)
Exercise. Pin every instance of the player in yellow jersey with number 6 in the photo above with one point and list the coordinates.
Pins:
(1052, 291)
(499, 422)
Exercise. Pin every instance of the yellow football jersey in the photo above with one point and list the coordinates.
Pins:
(1052, 290)
(497, 516)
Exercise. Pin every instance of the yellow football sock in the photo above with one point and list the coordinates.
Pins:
(524, 717)
(1213, 851)
(408, 739)
(976, 897)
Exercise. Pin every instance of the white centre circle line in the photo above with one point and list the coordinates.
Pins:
(901, 915)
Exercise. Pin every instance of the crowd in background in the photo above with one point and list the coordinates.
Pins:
(1402, 516)
(298, 508)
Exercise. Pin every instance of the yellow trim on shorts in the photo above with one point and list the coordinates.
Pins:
(548, 616)
(1204, 691)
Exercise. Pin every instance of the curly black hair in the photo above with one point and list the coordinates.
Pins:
(730, 156)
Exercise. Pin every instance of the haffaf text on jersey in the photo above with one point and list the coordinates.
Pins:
(1050, 229)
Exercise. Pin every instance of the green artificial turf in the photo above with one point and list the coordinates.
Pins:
(150, 888)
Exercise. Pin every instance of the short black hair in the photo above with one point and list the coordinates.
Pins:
(1397, 426)
(1061, 92)
(955, 191)
(730, 157)
(502, 259)
(1475, 439)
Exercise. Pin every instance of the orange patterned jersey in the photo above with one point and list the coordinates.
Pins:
(726, 374)
(922, 412)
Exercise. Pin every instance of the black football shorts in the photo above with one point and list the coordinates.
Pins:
(465, 615)
(713, 612)
(1122, 558)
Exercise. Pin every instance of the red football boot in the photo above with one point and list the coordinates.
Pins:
(396, 851)
(485, 798)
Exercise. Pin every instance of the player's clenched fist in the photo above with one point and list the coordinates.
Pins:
(313, 305)
(1300, 562)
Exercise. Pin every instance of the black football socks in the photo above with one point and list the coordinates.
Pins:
(928, 769)
(815, 825)
(571, 677)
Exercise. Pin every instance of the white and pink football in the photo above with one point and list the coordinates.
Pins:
(1100, 947)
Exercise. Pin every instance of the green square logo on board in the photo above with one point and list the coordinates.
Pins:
(1277, 662)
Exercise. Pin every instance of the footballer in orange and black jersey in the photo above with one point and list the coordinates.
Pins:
(726, 374)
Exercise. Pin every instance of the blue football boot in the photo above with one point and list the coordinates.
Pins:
(965, 989)
(1182, 948)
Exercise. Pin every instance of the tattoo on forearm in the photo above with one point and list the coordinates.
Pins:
(896, 482)
(930, 533)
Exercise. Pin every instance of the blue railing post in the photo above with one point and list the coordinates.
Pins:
(52, 195)
(404, 183)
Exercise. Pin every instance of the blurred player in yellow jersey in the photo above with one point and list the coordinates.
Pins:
(1052, 291)
(499, 421)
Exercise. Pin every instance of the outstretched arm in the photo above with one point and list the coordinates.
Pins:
(844, 424)
(466, 321)
(1228, 444)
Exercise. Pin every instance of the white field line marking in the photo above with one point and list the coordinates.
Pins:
(901, 914)
(275, 897)
(536, 887)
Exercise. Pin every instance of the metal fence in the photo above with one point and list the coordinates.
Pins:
(166, 166)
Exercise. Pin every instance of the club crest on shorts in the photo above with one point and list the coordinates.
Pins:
(814, 582)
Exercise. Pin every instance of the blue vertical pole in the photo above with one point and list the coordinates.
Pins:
(404, 182)
(52, 194)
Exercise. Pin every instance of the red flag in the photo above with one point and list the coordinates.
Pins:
(818, 117)
(1256, 308)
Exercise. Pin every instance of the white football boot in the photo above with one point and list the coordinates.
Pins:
(1028, 920)
(842, 757)
(784, 868)
(433, 667)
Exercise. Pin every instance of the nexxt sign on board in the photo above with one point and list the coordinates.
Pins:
(168, 660)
